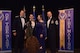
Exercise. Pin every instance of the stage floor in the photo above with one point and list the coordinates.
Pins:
(75, 51)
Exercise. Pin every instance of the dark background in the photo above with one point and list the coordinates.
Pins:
(16, 5)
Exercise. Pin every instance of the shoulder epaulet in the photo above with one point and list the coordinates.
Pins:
(16, 16)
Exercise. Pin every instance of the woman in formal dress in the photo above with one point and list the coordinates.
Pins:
(31, 42)
(40, 33)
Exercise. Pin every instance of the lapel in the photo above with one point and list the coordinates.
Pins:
(20, 22)
(51, 21)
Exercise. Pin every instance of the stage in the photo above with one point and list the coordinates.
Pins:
(48, 51)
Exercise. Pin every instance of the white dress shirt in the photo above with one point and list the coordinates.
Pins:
(48, 22)
(23, 22)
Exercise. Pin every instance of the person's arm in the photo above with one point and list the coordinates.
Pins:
(44, 31)
(14, 27)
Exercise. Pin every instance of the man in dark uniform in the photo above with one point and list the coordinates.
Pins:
(51, 32)
(18, 32)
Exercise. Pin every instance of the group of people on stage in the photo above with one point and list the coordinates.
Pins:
(36, 35)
